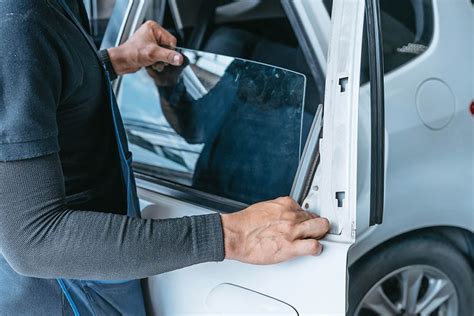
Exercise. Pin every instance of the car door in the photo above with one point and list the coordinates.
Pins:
(325, 182)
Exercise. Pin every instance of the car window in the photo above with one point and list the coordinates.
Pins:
(222, 125)
(263, 34)
(99, 12)
(407, 30)
(255, 30)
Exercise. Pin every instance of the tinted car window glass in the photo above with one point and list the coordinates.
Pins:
(258, 32)
(407, 29)
(222, 125)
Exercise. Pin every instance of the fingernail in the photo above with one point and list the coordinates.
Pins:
(176, 60)
(320, 250)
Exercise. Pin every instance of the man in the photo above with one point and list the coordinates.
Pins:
(63, 194)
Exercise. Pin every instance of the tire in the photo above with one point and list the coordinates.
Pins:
(394, 261)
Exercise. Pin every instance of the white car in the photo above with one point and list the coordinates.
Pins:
(386, 123)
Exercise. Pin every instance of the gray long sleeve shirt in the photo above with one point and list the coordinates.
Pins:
(56, 141)
(41, 237)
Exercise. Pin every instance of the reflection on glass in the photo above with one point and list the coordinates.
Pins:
(113, 27)
(223, 125)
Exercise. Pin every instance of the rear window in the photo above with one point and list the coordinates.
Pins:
(407, 30)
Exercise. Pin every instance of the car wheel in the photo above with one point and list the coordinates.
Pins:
(423, 275)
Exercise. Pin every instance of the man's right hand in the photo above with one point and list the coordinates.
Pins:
(273, 231)
(148, 45)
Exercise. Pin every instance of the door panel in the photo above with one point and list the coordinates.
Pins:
(229, 298)
(311, 285)
(303, 286)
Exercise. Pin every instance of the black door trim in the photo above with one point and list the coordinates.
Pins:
(376, 71)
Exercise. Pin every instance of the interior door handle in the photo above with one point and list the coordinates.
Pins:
(230, 299)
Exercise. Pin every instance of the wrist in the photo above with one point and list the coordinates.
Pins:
(119, 60)
(230, 236)
(105, 60)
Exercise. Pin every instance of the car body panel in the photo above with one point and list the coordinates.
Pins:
(429, 173)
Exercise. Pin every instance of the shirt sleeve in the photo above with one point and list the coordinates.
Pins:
(41, 237)
(30, 84)
(105, 60)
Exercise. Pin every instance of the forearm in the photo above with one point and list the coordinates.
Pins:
(40, 237)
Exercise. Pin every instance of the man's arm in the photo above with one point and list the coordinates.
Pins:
(41, 237)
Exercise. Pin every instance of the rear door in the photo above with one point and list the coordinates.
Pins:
(170, 163)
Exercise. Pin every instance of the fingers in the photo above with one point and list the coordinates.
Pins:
(301, 216)
(149, 45)
(313, 228)
(306, 247)
(164, 39)
(272, 231)
(160, 54)
(287, 203)
(291, 211)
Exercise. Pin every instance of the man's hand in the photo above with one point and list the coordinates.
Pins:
(145, 48)
(272, 232)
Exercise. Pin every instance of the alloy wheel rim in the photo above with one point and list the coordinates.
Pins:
(412, 290)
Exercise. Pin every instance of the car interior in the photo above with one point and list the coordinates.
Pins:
(259, 30)
(254, 30)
